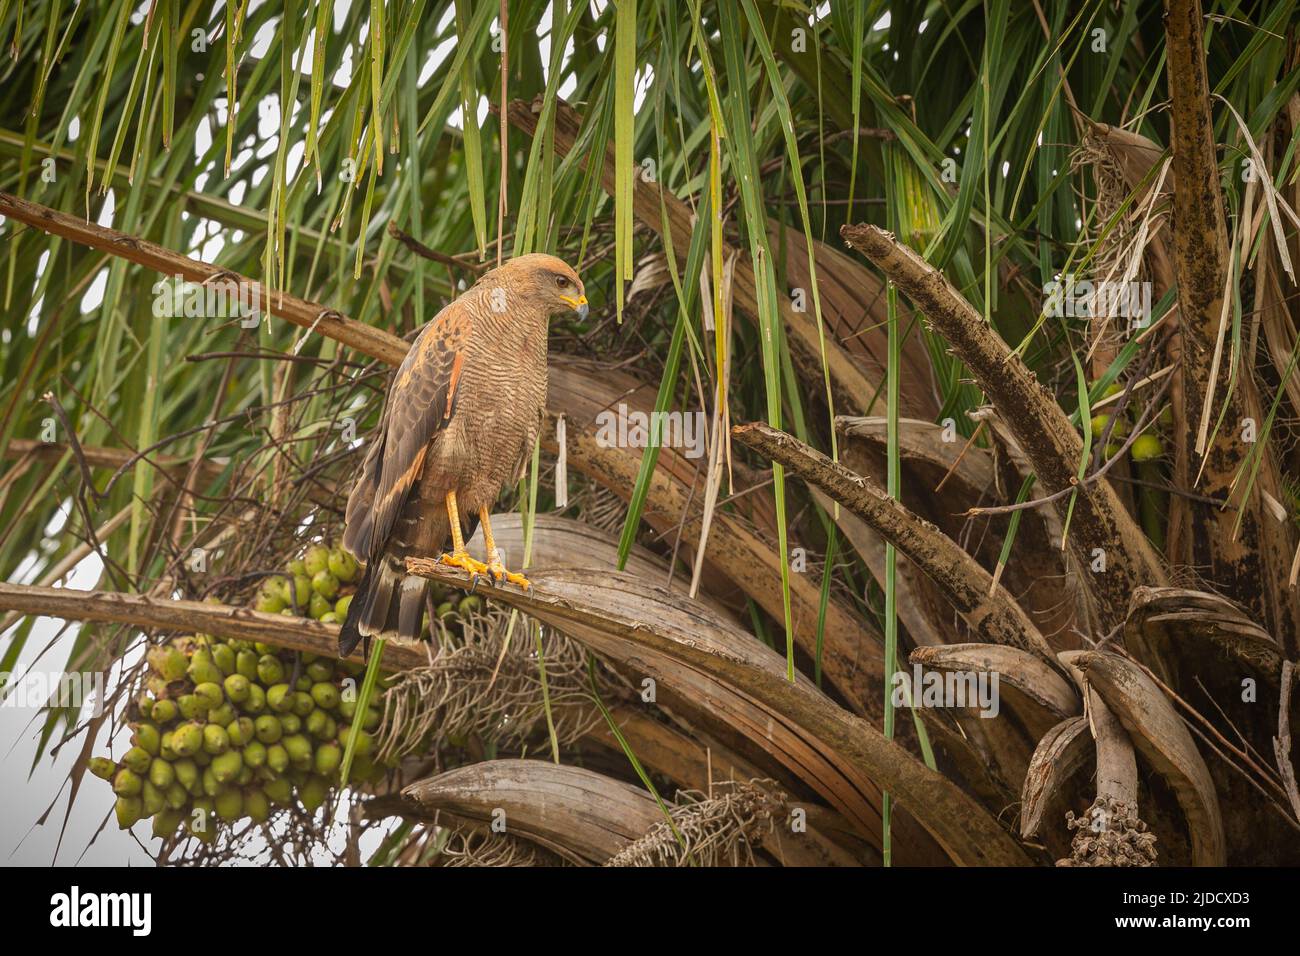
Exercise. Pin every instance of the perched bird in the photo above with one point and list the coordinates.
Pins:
(461, 419)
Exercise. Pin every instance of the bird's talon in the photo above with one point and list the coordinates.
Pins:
(500, 573)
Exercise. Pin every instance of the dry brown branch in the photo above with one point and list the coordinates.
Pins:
(1050, 443)
(990, 612)
(369, 341)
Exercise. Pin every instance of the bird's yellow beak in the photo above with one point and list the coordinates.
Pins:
(578, 305)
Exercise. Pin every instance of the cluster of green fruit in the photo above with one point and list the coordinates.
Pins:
(320, 585)
(1146, 447)
(232, 729)
(316, 585)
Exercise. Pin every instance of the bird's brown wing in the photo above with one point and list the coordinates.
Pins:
(420, 404)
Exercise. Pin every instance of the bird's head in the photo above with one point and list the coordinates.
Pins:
(547, 281)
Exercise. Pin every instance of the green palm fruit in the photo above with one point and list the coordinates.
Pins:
(211, 785)
(190, 706)
(165, 749)
(187, 773)
(312, 793)
(296, 567)
(280, 790)
(341, 606)
(240, 731)
(245, 776)
(372, 719)
(327, 759)
(299, 749)
(329, 617)
(168, 660)
(201, 757)
(152, 799)
(164, 711)
(290, 723)
(470, 604)
(303, 702)
(137, 759)
(176, 796)
(187, 739)
(303, 684)
(127, 783)
(155, 684)
(256, 805)
(365, 743)
(319, 606)
(277, 758)
(129, 811)
(236, 687)
(222, 715)
(315, 723)
(256, 702)
(101, 767)
(347, 705)
(255, 754)
(215, 739)
(319, 670)
(326, 585)
(263, 649)
(1146, 447)
(229, 805)
(342, 565)
(269, 599)
(444, 610)
(223, 655)
(267, 728)
(144, 703)
(279, 698)
(331, 729)
(226, 766)
(161, 773)
(166, 822)
(301, 590)
(210, 694)
(325, 695)
(316, 559)
(270, 670)
(246, 664)
(204, 672)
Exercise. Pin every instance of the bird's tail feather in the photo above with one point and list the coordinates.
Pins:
(387, 604)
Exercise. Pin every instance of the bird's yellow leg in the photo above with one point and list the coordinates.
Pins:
(495, 567)
(459, 557)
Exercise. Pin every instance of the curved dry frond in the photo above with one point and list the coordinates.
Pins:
(1061, 752)
(1039, 696)
(581, 815)
(846, 760)
(1160, 736)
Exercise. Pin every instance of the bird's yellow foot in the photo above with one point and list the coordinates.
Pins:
(462, 560)
(499, 574)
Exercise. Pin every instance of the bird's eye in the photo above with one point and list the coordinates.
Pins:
(562, 282)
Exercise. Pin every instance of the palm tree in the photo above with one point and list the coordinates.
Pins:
(967, 334)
